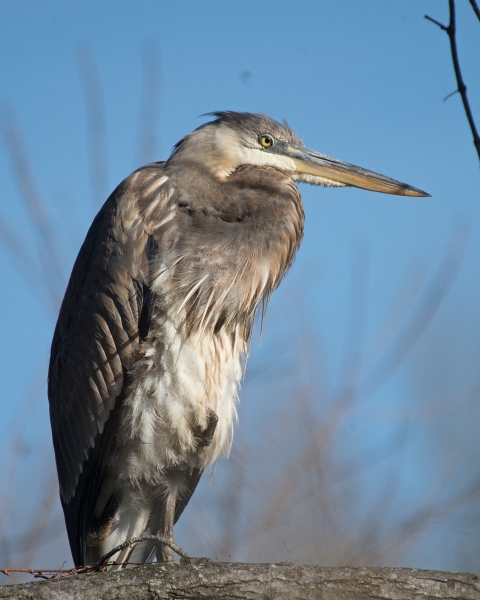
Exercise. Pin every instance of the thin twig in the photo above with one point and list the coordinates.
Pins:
(437, 23)
(450, 95)
(101, 565)
(475, 7)
(57, 573)
(48, 573)
(462, 88)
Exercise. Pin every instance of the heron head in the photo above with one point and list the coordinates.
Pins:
(236, 139)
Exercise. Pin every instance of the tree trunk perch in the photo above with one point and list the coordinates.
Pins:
(234, 581)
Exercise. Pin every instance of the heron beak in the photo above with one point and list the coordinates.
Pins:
(329, 169)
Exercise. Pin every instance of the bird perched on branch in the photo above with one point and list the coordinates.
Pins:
(150, 343)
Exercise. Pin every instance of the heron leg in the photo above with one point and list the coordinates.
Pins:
(163, 552)
(173, 482)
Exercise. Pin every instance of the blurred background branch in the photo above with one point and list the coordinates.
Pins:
(96, 124)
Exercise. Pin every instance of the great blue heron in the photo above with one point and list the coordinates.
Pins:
(149, 346)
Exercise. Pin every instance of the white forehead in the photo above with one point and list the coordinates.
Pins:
(236, 149)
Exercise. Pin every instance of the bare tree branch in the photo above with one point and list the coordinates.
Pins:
(462, 88)
(216, 581)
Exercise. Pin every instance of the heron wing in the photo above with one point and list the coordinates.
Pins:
(189, 484)
(106, 311)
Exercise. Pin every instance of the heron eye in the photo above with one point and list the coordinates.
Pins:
(266, 141)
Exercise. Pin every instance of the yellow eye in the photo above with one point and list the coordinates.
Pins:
(266, 141)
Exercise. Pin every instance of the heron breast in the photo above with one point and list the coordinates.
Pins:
(176, 383)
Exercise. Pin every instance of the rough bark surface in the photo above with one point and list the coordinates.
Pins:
(234, 581)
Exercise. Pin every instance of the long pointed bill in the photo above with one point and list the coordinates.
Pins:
(315, 165)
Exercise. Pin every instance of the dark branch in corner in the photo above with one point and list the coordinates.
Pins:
(476, 10)
(462, 88)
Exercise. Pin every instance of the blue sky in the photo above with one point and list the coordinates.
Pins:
(361, 81)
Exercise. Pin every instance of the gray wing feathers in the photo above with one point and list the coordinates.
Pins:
(97, 331)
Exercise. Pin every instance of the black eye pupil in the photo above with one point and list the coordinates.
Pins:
(266, 141)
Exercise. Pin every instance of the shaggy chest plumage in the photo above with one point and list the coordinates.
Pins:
(208, 281)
